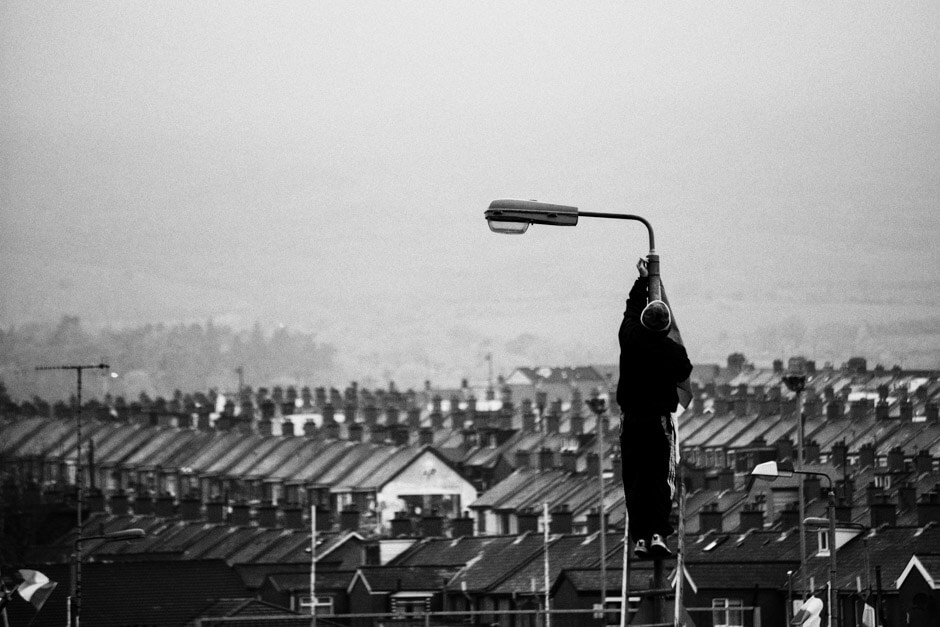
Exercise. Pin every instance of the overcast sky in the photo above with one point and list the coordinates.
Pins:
(326, 164)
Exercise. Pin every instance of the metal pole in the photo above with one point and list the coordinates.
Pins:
(833, 591)
(801, 493)
(603, 518)
(789, 596)
(680, 553)
(625, 581)
(313, 565)
(659, 605)
(75, 618)
(548, 616)
(624, 216)
(79, 480)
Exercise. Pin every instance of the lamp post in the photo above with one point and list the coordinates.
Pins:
(796, 383)
(76, 591)
(772, 470)
(599, 407)
(513, 217)
(79, 479)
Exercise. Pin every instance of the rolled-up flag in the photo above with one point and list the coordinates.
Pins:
(684, 389)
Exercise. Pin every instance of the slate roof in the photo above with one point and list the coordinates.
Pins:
(308, 450)
(768, 575)
(369, 472)
(912, 437)
(411, 578)
(519, 488)
(16, 431)
(244, 446)
(882, 548)
(217, 447)
(334, 453)
(164, 443)
(496, 560)
(587, 580)
(244, 607)
(690, 424)
(278, 456)
(42, 440)
(136, 438)
(829, 431)
(728, 501)
(449, 551)
(723, 424)
(754, 546)
(731, 430)
(759, 428)
(300, 582)
(182, 455)
(253, 456)
(569, 551)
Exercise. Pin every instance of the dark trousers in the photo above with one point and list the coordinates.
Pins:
(646, 446)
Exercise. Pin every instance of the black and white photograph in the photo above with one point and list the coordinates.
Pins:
(428, 313)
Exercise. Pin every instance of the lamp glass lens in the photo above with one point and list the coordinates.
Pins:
(509, 228)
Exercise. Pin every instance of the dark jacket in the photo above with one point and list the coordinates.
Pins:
(651, 363)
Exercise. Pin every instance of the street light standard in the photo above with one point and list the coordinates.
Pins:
(772, 470)
(796, 383)
(599, 407)
(513, 217)
(76, 591)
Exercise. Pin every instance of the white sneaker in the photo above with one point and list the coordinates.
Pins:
(640, 550)
(658, 546)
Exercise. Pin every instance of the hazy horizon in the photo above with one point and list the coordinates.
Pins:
(326, 166)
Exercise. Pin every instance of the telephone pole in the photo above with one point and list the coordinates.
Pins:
(76, 596)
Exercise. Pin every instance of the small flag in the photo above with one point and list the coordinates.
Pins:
(869, 618)
(808, 616)
(35, 587)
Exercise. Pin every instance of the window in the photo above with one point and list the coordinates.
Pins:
(822, 541)
(613, 606)
(411, 604)
(324, 604)
(883, 481)
(727, 613)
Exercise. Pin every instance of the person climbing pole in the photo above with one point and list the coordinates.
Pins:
(652, 365)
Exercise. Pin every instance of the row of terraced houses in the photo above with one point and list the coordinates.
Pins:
(434, 500)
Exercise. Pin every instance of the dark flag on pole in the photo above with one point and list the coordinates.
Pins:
(684, 389)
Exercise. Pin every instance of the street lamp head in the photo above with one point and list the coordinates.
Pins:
(816, 521)
(772, 470)
(795, 382)
(513, 217)
(116, 536)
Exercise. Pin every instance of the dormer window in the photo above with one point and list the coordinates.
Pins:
(822, 542)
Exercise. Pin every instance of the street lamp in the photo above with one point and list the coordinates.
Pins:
(513, 217)
(76, 592)
(770, 471)
(796, 383)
